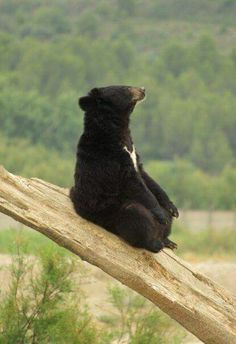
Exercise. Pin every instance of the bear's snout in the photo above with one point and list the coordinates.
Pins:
(138, 93)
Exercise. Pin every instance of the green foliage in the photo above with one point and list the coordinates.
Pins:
(43, 304)
(53, 52)
(205, 243)
(39, 308)
(193, 109)
(191, 188)
(30, 243)
(138, 320)
(20, 157)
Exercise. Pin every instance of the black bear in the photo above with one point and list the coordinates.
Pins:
(111, 187)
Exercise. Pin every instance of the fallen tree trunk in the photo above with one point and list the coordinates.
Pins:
(196, 302)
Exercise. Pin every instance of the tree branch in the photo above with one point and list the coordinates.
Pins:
(196, 302)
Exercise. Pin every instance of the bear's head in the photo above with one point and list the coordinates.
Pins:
(118, 100)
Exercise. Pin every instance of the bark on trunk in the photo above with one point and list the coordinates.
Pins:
(196, 302)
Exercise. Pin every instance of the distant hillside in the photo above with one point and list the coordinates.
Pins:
(183, 52)
(148, 23)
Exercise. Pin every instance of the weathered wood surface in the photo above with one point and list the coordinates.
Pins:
(196, 302)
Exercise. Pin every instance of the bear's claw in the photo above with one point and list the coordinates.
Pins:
(171, 208)
(170, 244)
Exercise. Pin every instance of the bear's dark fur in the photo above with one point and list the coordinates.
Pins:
(111, 189)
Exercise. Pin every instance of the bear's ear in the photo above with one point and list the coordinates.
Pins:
(87, 103)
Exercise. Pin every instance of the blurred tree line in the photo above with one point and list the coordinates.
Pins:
(52, 53)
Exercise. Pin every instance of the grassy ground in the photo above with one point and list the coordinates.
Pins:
(202, 245)
(191, 245)
(30, 241)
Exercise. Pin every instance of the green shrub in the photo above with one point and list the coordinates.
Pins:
(43, 305)
(138, 321)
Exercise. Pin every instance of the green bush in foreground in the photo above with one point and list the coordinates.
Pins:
(139, 321)
(44, 304)
(39, 308)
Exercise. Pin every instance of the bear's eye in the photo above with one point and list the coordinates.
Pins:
(102, 101)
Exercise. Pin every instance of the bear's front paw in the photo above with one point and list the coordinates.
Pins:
(171, 208)
(170, 244)
(159, 216)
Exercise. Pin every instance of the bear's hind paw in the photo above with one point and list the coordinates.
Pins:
(155, 246)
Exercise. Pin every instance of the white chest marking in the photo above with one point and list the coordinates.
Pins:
(133, 157)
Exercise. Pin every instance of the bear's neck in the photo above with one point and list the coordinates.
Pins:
(101, 129)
